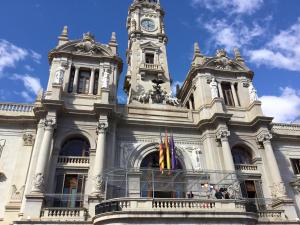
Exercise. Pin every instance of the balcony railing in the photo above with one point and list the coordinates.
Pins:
(12, 107)
(73, 161)
(74, 214)
(245, 167)
(153, 67)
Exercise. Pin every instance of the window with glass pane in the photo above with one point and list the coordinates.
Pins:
(95, 91)
(71, 81)
(296, 165)
(84, 82)
(227, 92)
(70, 190)
(76, 147)
(149, 58)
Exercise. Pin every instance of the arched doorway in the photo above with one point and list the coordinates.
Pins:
(161, 184)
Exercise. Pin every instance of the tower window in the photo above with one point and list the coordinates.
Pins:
(227, 92)
(296, 165)
(71, 81)
(149, 58)
(84, 82)
(95, 91)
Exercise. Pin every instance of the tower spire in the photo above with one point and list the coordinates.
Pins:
(198, 58)
(64, 36)
(113, 43)
(238, 56)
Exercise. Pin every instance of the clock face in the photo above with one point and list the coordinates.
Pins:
(148, 24)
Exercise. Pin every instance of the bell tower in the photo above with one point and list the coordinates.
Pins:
(146, 53)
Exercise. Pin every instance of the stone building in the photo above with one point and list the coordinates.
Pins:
(77, 156)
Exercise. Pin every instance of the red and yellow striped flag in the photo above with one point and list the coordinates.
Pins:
(161, 156)
(168, 151)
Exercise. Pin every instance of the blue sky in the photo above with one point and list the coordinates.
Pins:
(266, 31)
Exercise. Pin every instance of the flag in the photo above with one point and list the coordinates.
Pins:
(173, 153)
(167, 151)
(161, 156)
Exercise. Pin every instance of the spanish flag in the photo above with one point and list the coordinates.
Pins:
(168, 151)
(161, 156)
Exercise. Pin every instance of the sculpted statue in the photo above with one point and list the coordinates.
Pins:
(59, 75)
(171, 99)
(252, 93)
(214, 88)
(222, 62)
(143, 98)
(99, 185)
(39, 182)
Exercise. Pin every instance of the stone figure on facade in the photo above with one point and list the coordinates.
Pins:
(17, 195)
(214, 88)
(28, 139)
(59, 75)
(171, 100)
(88, 45)
(144, 98)
(222, 62)
(252, 93)
(99, 183)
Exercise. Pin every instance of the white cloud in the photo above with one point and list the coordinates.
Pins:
(234, 34)
(26, 96)
(10, 54)
(284, 108)
(32, 84)
(283, 51)
(36, 56)
(230, 6)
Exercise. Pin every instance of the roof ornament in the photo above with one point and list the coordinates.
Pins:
(238, 56)
(198, 58)
(64, 36)
(222, 62)
(88, 44)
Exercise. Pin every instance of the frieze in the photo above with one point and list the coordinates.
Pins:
(156, 140)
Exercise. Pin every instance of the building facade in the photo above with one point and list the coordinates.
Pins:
(205, 155)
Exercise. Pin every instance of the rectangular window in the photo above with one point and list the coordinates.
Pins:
(95, 91)
(69, 190)
(84, 82)
(296, 165)
(71, 81)
(149, 58)
(227, 92)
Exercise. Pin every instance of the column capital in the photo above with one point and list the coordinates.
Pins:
(102, 127)
(264, 137)
(222, 134)
(50, 123)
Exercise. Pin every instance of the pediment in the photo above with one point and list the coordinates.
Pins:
(224, 64)
(149, 45)
(85, 47)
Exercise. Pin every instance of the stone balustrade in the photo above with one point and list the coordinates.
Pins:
(69, 214)
(181, 205)
(12, 107)
(70, 161)
(271, 215)
(154, 67)
(245, 167)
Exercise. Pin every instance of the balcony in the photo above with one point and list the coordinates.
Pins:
(151, 67)
(246, 168)
(64, 214)
(12, 109)
(73, 161)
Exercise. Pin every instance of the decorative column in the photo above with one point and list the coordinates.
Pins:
(43, 157)
(75, 82)
(92, 81)
(235, 98)
(220, 90)
(99, 162)
(222, 136)
(278, 187)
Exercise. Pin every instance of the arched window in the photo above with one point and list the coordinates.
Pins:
(241, 155)
(76, 147)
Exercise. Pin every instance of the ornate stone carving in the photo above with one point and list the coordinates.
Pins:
(222, 62)
(60, 72)
(222, 134)
(105, 77)
(263, 137)
(2, 177)
(278, 190)
(2, 144)
(28, 139)
(252, 93)
(88, 45)
(17, 195)
(38, 182)
(171, 100)
(50, 123)
(101, 127)
(214, 88)
(99, 183)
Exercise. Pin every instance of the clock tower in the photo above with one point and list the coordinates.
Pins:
(146, 54)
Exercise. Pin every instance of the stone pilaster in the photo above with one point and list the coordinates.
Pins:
(278, 187)
(222, 136)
